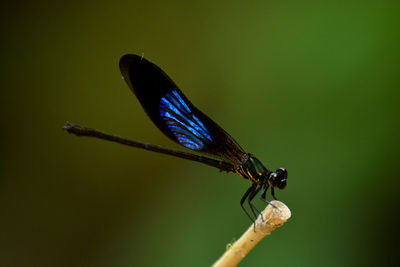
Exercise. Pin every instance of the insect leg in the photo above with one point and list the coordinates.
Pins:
(264, 193)
(252, 206)
(273, 193)
(250, 190)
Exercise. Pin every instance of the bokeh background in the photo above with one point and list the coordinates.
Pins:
(305, 85)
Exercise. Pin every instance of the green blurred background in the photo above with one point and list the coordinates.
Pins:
(309, 86)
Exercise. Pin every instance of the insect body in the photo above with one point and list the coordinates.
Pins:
(182, 122)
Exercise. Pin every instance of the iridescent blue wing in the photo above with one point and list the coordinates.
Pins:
(188, 130)
(174, 114)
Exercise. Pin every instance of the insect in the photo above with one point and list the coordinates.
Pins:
(183, 123)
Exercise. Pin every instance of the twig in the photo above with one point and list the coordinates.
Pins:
(273, 218)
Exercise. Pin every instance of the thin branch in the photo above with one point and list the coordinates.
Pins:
(273, 218)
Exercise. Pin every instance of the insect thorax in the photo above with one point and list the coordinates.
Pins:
(253, 170)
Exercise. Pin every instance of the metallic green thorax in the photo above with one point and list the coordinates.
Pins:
(253, 170)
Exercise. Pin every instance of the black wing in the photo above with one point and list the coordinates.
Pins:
(174, 114)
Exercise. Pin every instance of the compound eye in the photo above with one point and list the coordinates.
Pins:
(282, 172)
(282, 184)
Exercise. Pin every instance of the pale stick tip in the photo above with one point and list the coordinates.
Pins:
(273, 216)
